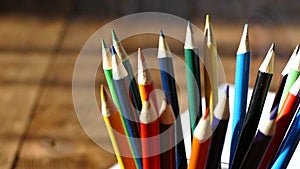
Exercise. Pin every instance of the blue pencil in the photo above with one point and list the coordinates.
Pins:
(241, 89)
(120, 78)
(169, 88)
(289, 144)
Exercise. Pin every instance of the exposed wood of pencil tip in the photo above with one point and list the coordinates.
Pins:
(296, 63)
(107, 107)
(106, 56)
(118, 46)
(119, 70)
(221, 109)
(294, 90)
(144, 74)
(189, 38)
(288, 65)
(166, 113)
(163, 47)
(208, 33)
(267, 65)
(203, 130)
(244, 46)
(268, 127)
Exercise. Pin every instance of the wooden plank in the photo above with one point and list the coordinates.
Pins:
(19, 33)
(55, 138)
(20, 76)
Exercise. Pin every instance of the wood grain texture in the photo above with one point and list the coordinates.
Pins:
(20, 76)
(55, 138)
(23, 33)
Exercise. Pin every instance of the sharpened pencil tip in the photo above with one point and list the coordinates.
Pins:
(227, 90)
(207, 19)
(112, 50)
(268, 64)
(114, 36)
(189, 39)
(289, 64)
(206, 114)
(162, 34)
(272, 46)
(244, 46)
(273, 113)
(103, 43)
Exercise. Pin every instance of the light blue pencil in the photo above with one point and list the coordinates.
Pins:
(288, 145)
(120, 79)
(241, 89)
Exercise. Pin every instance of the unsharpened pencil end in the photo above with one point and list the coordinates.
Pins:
(268, 64)
(244, 46)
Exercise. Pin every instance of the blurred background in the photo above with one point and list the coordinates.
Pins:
(39, 44)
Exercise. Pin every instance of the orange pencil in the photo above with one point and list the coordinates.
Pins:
(201, 142)
(116, 131)
(145, 81)
(149, 124)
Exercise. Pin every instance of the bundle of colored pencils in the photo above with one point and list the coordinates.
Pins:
(152, 131)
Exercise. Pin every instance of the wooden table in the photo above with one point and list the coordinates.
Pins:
(39, 127)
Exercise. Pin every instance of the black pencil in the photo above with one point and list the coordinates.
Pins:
(256, 105)
(261, 142)
(220, 123)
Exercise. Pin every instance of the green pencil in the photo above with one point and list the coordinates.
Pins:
(133, 87)
(193, 78)
(294, 72)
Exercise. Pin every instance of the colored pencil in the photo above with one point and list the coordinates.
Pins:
(134, 92)
(192, 78)
(201, 141)
(288, 145)
(292, 76)
(261, 141)
(145, 81)
(115, 130)
(256, 105)
(283, 79)
(149, 123)
(283, 121)
(107, 69)
(169, 88)
(120, 78)
(219, 125)
(210, 57)
(167, 138)
(240, 89)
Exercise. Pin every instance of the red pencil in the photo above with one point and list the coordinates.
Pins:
(145, 81)
(201, 141)
(283, 121)
(149, 124)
